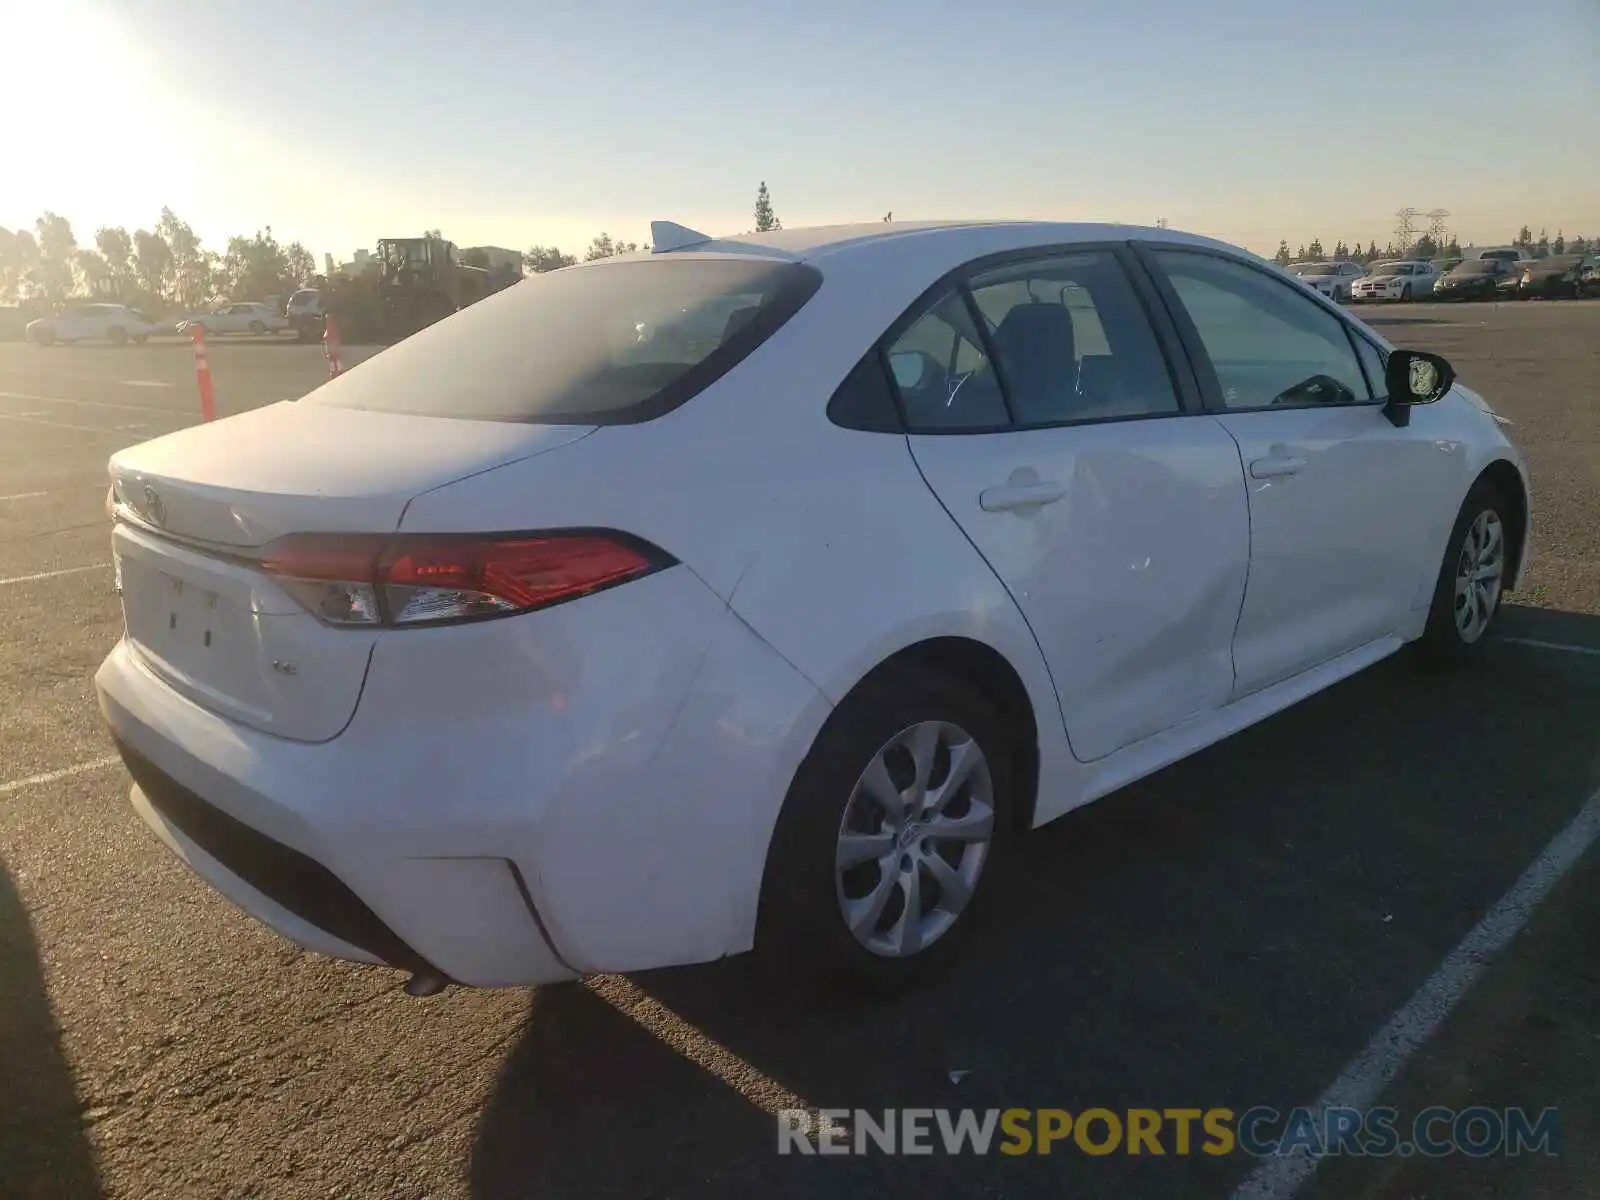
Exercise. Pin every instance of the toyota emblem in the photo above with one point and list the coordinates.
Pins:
(154, 506)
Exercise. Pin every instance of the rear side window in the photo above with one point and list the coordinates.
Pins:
(605, 344)
(1073, 342)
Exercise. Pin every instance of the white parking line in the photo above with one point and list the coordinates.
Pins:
(1564, 647)
(54, 574)
(155, 383)
(83, 768)
(59, 425)
(1377, 1066)
(82, 487)
(149, 408)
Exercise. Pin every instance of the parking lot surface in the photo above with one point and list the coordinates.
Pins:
(1228, 933)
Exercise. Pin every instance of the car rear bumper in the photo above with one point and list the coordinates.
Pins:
(591, 788)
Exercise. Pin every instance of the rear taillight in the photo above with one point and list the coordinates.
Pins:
(428, 579)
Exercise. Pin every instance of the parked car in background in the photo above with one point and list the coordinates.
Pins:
(114, 323)
(1404, 280)
(1554, 278)
(407, 674)
(1589, 278)
(250, 317)
(1474, 279)
(1445, 265)
(1507, 254)
(1332, 279)
(305, 314)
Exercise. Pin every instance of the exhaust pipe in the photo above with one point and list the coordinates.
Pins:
(426, 985)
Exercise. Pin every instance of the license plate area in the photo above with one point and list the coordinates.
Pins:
(217, 632)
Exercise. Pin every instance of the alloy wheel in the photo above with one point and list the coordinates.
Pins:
(1479, 571)
(914, 839)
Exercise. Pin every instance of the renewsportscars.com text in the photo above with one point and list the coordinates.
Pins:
(1261, 1131)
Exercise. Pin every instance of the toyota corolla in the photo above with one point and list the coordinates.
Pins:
(573, 635)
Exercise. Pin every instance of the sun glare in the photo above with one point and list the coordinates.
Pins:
(95, 138)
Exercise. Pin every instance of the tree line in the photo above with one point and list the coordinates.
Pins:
(162, 268)
(1426, 248)
(167, 267)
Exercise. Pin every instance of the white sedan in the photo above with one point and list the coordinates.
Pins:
(1333, 279)
(1396, 281)
(114, 323)
(614, 649)
(251, 318)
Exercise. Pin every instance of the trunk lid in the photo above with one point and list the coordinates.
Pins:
(199, 502)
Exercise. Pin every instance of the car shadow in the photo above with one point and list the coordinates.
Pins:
(1228, 932)
(43, 1149)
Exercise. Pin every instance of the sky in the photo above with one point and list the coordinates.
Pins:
(512, 124)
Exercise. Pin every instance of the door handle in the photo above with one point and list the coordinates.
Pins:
(1275, 466)
(1020, 495)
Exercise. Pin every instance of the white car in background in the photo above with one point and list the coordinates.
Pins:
(251, 317)
(549, 642)
(1406, 280)
(114, 323)
(1333, 279)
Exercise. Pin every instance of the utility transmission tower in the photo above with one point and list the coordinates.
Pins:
(1405, 229)
(1436, 229)
(1161, 222)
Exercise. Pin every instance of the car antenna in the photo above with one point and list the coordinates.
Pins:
(669, 235)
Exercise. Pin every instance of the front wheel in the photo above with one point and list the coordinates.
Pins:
(257, 328)
(1466, 598)
(1405, 294)
(893, 837)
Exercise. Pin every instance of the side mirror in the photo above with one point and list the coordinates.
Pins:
(1414, 377)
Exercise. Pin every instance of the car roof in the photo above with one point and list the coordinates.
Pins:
(953, 241)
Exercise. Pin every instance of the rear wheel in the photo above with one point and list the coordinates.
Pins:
(1466, 598)
(1405, 293)
(258, 328)
(893, 837)
(45, 337)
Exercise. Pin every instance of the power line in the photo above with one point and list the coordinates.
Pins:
(1405, 229)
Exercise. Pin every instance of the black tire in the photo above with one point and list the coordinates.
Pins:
(140, 339)
(45, 337)
(257, 328)
(801, 931)
(1443, 643)
(117, 334)
(1405, 293)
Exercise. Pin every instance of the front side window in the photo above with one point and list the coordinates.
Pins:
(1268, 345)
(1072, 340)
(608, 343)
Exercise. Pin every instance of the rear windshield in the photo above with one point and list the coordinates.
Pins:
(1482, 266)
(304, 296)
(602, 344)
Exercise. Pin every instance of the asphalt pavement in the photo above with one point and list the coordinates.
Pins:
(1227, 933)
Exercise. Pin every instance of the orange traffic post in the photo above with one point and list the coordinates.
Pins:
(202, 372)
(330, 345)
